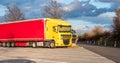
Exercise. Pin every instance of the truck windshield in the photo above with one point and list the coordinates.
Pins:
(64, 28)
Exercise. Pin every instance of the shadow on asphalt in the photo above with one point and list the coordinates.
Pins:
(17, 61)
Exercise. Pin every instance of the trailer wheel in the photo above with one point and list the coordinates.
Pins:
(34, 44)
(7, 44)
(0, 44)
(3, 44)
(12, 44)
(52, 44)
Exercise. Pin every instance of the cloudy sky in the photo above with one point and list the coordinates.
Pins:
(82, 14)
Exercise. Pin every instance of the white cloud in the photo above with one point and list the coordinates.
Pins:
(80, 28)
(107, 15)
(27, 7)
(72, 6)
(83, 4)
(68, 9)
(45, 4)
(99, 4)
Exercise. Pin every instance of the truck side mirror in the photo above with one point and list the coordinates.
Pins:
(55, 29)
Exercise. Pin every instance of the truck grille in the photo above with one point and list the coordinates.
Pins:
(66, 41)
(66, 36)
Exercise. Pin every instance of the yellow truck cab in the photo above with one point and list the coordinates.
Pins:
(59, 32)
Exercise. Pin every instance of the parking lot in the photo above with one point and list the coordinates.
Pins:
(47, 55)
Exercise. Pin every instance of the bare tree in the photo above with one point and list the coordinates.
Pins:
(97, 30)
(116, 25)
(14, 14)
(53, 10)
(93, 35)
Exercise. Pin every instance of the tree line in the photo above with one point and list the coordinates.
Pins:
(98, 36)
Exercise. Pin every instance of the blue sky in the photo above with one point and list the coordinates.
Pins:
(2, 10)
(82, 14)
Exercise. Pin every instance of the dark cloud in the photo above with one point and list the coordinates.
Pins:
(80, 8)
(77, 9)
(84, 8)
(33, 8)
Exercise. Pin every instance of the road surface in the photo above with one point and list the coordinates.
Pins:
(47, 55)
(108, 52)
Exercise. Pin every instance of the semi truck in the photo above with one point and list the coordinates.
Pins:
(44, 32)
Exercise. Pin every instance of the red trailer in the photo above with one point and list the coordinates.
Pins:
(36, 32)
(22, 31)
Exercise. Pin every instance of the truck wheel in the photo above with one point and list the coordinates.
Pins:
(12, 44)
(3, 44)
(0, 44)
(7, 44)
(52, 44)
(34, 45)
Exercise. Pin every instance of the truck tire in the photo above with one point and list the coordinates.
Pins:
(34, 44)
(52, 44)
(7, 44)
(0, 44)
(3, 44)
(12, 44)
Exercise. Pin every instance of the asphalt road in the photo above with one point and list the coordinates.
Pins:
(108, 52)
(47, 55)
